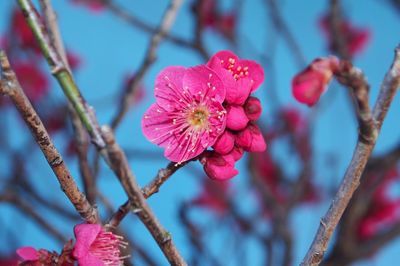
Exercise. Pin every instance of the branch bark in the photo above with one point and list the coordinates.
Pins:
(9, 86)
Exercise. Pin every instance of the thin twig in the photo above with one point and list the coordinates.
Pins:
(352, 176)
(282, 27)
(151, 188)
(139, 205)
(150, 57)
(9, 86)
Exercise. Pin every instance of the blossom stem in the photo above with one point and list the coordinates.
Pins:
(61, 73)
(9, 86)
(354, 171)
(147, 191)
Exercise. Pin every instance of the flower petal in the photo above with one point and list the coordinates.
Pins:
(85, 235)
(28, 253)
(157, 125)
(203, 82)
(168, 87)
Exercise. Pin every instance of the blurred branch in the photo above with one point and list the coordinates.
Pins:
(281, 26)
(30, 210)
(9, 85)
(135, 22)
(352, 176)
(150, 57)
(82, 143)
(335, 21)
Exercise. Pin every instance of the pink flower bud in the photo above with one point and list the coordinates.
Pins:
(224, 143)
(236, 118)
(311, 83)
(251, 139)
(219, 167)
(253, 108)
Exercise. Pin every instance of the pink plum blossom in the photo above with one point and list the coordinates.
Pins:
(96, 247)
(188, 116)
(241, 77)
(355, 38)
(312, 82)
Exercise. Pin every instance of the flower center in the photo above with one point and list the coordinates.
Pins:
(198, 117)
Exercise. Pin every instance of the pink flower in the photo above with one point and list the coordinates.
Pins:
(188, 116)
(311, 83)
(28, 253)
(96, 247)
(241, 77)
(219, 167)
(355, 38)
(33, 81)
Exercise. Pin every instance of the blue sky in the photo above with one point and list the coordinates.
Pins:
(111, 49)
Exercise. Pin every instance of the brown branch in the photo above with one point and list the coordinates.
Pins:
(120, 166)
(352, 176)
(10, 86)
(150, 57)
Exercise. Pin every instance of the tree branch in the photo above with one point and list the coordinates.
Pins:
(150, 57)
(9, 86)
(352, 176)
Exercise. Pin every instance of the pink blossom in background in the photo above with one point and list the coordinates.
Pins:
(312, 82)
(355, 38)
(383, 210)
(74, 60)
(140, 92)
(8, 262)
(21, 31)
(33, 81)
(92, 5)
(188, 115)
(96, 247)
(213, 196)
